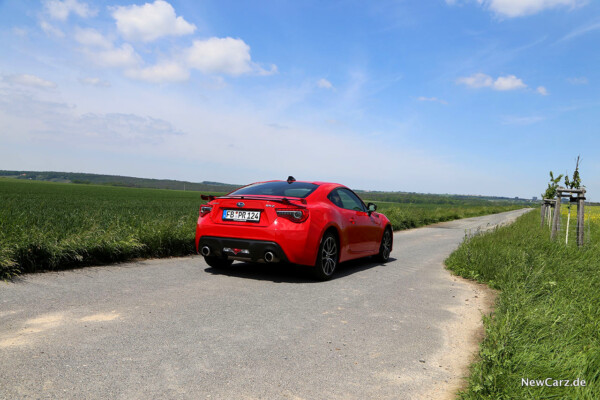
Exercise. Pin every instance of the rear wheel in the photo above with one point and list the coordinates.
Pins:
(327, 258)
(385, 248)
(218, 262)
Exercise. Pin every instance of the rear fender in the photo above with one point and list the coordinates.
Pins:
(342, 242)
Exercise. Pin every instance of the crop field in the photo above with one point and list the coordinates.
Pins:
(407, 216)
(547, 321)
(50, 226)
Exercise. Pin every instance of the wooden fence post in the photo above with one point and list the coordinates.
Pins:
(543, 214)
(556, 220)
(580, 220)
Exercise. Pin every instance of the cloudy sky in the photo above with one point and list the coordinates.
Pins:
(454, 96)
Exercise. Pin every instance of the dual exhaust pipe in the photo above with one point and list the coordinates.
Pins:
(269, 257)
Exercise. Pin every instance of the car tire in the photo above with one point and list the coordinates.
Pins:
(218, 262)
(327, 257)
(385, 248)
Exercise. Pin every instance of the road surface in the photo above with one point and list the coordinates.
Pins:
(178, 329)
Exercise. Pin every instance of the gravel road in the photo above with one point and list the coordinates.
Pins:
(178, 329)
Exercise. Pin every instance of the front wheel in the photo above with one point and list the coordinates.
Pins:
(385, 248)
(327, 258)
(218, 262)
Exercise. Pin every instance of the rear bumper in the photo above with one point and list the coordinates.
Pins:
(296, 243)
(242, 249)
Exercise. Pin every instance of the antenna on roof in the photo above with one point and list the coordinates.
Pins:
(291, 179)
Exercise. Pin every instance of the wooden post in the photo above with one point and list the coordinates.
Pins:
(543, 213)
(580, 217)
(556, 220)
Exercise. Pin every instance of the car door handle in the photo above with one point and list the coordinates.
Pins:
(352, 221)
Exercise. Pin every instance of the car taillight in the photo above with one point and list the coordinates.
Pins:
(294, 215)
(205, 210)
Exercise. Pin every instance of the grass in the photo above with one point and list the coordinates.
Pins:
(547, 322)
(51, 226)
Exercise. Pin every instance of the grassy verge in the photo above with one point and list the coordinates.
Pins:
(51, 226)
(547, 321)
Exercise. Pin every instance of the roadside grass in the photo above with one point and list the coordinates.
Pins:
(546, 323)
(52, 226)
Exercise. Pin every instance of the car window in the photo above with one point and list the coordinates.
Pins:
(347, 199)
(279, 188)
(334, 197)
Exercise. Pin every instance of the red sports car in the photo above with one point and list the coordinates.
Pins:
(308, 223)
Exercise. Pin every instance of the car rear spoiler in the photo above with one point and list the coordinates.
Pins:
(283, 200)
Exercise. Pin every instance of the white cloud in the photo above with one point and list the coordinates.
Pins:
(509, 82)
(580, 31)
(47, 121)
(519, 8)
(116, 57)
(324, 84)
(103, 52)
(476, 80)
(220, 55)
(61, 9)
(265, 72)
(167, 71)
(29, 80)
(211, 56)
(542, 90)
(118, 128)
(92, 38)
(502, 83)
(94, 82)
(578, 80)
(226, 56)
(51, 30)
(150, 21)
(433, 99)
(223, 56)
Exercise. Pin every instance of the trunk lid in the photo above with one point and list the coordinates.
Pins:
(227, 210)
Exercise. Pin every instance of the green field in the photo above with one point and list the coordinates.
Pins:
(407, 216)
(50, 226)
(547, 321)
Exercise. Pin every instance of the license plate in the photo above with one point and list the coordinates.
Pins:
(239, 215)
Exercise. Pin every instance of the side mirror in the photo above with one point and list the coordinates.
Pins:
(371, 207)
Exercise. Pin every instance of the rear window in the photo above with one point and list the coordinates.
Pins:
(294, 189)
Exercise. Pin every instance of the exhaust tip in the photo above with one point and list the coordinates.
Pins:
(269, 257)
(205, 251)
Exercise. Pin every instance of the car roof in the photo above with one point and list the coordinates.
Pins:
(320, 183)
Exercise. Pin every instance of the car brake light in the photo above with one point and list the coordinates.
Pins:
(205, 210)
(294, 215)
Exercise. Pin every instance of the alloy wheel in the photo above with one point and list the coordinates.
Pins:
(329, 255)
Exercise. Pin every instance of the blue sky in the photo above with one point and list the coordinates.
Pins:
(473, 96)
